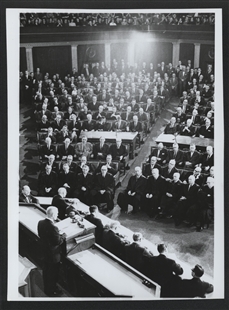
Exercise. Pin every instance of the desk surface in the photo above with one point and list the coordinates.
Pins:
(117, 279)
(170, 139)
(109, 135)
(29, 216)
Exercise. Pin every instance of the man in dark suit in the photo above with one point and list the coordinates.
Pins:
(172, 195)
(155, 188)
(118, 151)
(25, 195)
(66, 179)
(128, 115)
(47, 182)
(94, 104)
(195, 287)
(182, 77)
(165, 272)
(47, 149)
(74, 127)
(89, 124)
(192, 157)
(195, 118)
(111, 167)
(103, 190)
(65, 149)
(58, 123)
(141, 97)
(104, 96)
(99, 114)
(172, 128)
(206, 131)
(207, 160)
(167, 172)
(179, 115)
(101, 149)
(160, 153)
(187, 129)
(51, 242)
(150, 166)
(174, 84)
(93, 218)
(119, 125)
(135, 125)
(134, 253)
(84, 185)
(51, 162)
(61, 202)
(187, 200)
(71, 164)
(134, 192)
(176, 154)
(111, 241)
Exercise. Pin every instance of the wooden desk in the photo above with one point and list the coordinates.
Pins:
(111, 136)
(184, 141)
(118, 280)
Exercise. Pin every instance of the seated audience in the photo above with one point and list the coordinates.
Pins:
(176, 154)
(187, 129)
(192, 157)
(172, 128)
(47, 149)
(150, 166)
(168, 171)
(89, 124)
(111, 167)
(161, 153)
(206, 131)
(118, 151)
(101, 149)
(111, 241)
(66, 179)
(119, 125)
(71, 164)
(207, 159)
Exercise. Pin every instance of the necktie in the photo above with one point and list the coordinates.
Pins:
(158, 153)
(175, 154)
(27, 199)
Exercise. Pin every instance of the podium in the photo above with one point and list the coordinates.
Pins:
(25, 281)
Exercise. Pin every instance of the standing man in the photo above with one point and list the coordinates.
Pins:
(51, 242)
(134, 192)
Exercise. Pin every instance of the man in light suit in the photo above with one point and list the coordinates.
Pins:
(83, 148)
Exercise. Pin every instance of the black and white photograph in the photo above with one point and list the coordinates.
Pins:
(115, 180)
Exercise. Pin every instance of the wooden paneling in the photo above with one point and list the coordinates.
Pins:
(186, 53)
(90, 53)
(53, 59)
(154, 52)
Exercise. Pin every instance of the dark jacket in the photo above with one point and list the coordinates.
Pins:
(28, 199)
(51, 240)
(61, 205)
(116, 153)
(134, 255)
(194, 288)
(99, 227)
(136, 185)
(106, 183)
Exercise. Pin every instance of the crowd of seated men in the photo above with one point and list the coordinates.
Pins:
(166, 188)
(113, 19)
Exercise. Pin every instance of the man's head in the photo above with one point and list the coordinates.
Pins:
(94, 209)
(66, 168)
(118, 142)
(26, 190)
(210, 182)
(197, 171)
(153, 160)
(212, 171)
(172, 163)
(197, 271)
(128, 109)
(52, 213)
(51, 158)
(48, 141)
(84, 139)
(172, 120)
(89, 117)
(85, 169)
(191, 180)
(137, 237)
(69, 159)
(138, 171)
(62, 192)
(100, 109)
(162, 248)
(83, 159)
(155, 173)
(104, 170)
(179, 110)
(135, 119)
(192, 147)
(189, 122)
(176, 176)
(67, 142)
(160, 146)
(109, 158)
(209, 150)
(48, 169)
